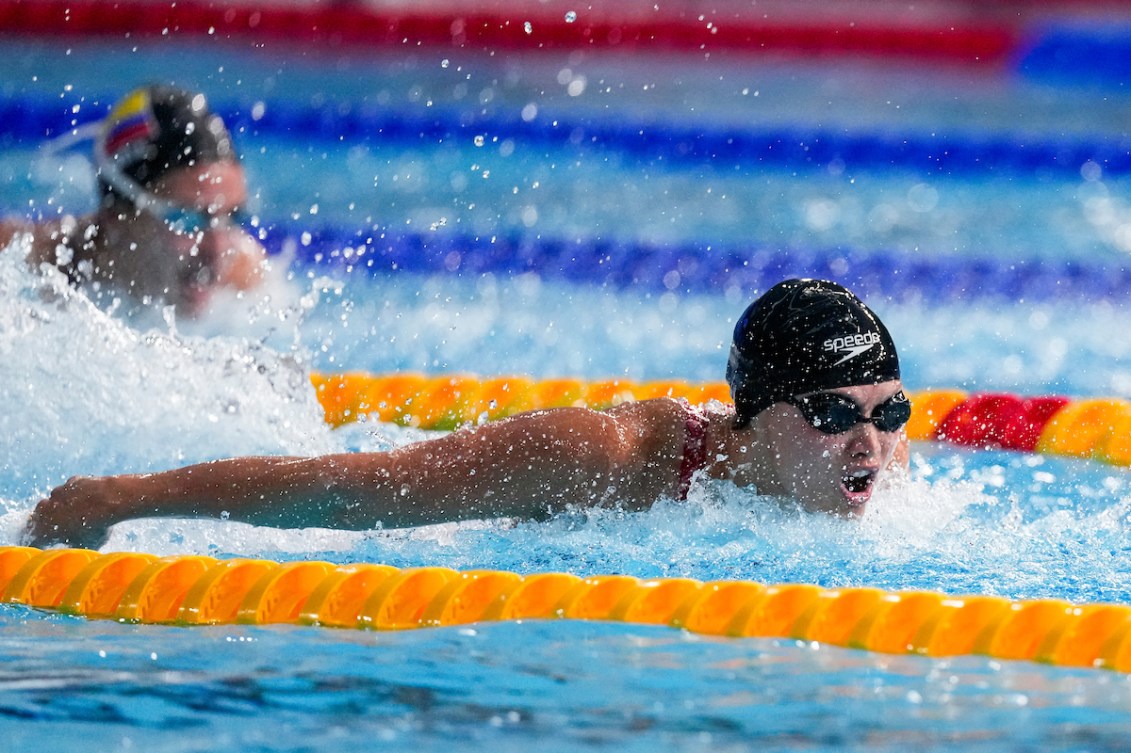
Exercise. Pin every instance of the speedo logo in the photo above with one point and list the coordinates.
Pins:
(851, 345)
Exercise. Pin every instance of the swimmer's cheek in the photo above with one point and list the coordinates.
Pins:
(899, 469)
(244, 266)
(901, 458)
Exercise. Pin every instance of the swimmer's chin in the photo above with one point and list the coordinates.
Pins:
(858, 492)
(842, 509)
(194, 301)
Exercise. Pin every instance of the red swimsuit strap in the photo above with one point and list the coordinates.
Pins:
(694, 449)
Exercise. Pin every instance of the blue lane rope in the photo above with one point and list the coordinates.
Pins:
(696, 268)
(26, 118)
(1093, 53)
(688, 267)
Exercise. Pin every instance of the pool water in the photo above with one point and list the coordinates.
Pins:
(85, 389)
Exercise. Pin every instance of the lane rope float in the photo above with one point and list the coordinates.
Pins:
(1090, 428)
(200, 590)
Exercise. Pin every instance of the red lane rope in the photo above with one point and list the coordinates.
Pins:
(530, 29)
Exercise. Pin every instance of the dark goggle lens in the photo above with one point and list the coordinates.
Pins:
(830, 413)
(185, 221)
(893, 413)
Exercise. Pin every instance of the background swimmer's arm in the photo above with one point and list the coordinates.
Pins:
(528, 466)
(8, 231)
(45, 237)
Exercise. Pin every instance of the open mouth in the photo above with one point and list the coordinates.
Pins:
(194, 298)
(858, 484)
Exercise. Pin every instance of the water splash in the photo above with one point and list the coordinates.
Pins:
(927, 532)
(85, 393)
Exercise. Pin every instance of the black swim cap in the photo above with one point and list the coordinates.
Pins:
(804, 336)
(155, 129)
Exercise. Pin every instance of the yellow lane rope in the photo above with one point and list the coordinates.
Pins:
(198, 590)
(1097, 428)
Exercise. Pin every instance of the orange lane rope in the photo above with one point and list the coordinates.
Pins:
(1097, 428)
(199, 590)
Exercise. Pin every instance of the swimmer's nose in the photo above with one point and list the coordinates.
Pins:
(865, 440)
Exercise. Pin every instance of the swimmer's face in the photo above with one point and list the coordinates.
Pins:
(833, 473)
(183, 258)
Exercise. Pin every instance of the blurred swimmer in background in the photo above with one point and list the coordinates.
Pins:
(168, 228)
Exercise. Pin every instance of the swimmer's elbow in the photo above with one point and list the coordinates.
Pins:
(9, 231)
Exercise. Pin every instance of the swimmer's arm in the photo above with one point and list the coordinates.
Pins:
(530, 466)
(8, 231)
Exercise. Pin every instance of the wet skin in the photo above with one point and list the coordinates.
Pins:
(531, 465)
(832, 473)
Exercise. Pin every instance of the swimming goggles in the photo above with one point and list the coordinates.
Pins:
(190, 221)
(179, 219)
(830, 413)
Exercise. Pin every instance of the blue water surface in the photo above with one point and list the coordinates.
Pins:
(84, 389)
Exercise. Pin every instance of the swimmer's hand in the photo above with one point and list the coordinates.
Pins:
(76, 514)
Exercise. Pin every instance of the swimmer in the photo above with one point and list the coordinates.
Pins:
(818, 417)
(167, 228)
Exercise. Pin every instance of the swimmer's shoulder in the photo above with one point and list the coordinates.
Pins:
(661, 415)
(657, 407)
(674, 408)
(45, 238)
(10, 228)
(27, 237)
